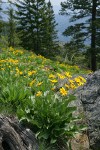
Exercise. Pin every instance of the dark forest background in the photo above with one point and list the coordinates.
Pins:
(72, 36)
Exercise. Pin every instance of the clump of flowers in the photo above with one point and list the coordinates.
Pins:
(35, 99)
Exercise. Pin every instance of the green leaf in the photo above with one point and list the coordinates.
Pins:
(53, 141)
(43, 135)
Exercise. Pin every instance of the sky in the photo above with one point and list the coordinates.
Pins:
(56, 5)
(56, 2)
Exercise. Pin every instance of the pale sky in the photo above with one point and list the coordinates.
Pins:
(56, 5)
(56, 2)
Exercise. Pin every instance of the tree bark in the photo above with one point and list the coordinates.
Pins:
(93, 36)
(13, 136)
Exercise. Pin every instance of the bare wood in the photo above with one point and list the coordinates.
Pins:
(15, 137)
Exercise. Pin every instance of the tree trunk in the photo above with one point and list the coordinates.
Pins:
(15, 137)
(93, 36)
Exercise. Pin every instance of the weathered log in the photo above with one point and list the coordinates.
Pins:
(13, 136)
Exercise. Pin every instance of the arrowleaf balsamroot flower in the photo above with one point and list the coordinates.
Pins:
(67, 86)
(61, 76)
(51, 76)
(39, 83)
(63, 92)
(31, 72)
(67, 74)
(39, 93)
(32, 82)
(54, 81)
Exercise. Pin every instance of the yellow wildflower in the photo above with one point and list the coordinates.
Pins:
(12, 61)
(72, 86)
(39, 83)
(67, 74)
(2, 68)
(71, 81)
(11, 49)
(20, 72)
(83, 79)
(31, 72)
(18, 52)
(40, 56)
(79, 80)
(51, 76)
(63, 91)
(61, 76)
(32, 82)
(39, 93)
(67, 86)
(54, 81)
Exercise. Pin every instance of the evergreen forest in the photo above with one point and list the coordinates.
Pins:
(31, 25)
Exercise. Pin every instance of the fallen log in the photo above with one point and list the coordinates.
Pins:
(13, 136)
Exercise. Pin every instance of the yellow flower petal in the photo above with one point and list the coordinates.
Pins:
(63, 91)
(39, 93)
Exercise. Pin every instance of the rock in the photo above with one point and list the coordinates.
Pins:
(80, 142)
(90, 97)
(15, 137)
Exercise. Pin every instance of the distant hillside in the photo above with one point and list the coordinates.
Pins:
(63, 23)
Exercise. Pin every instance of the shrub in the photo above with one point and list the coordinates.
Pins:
(50, 117)
(12, 97)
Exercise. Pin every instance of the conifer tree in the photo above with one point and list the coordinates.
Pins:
(86, 11)
(34, 21)
(50, 32)
(24, 20)
(11, 27)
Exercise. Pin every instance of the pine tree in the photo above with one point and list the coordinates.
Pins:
(24, 21)
(86, 12)
(11, 27)
(39, 23)
(29, 18)
(50, 32)
(34, 21)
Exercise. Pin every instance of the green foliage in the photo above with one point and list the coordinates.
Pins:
(12, 97)
(8, 34)
(51, 117)
(85, 27)
(11, 26)
(4, 41)
(13, 35)
(37, 25)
